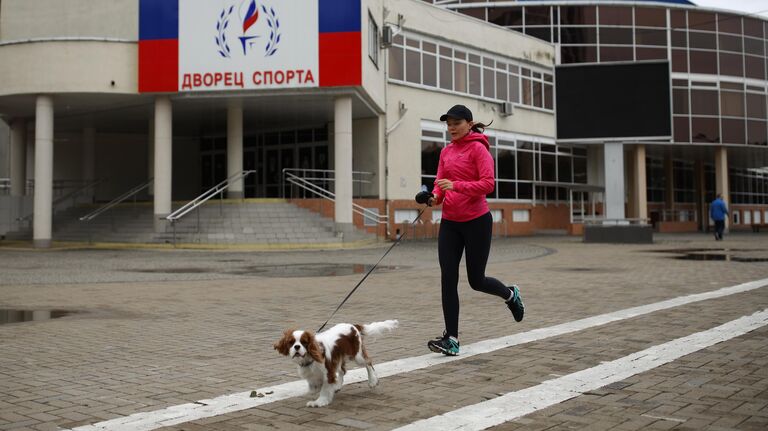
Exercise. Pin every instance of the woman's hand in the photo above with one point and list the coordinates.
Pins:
(444, 184)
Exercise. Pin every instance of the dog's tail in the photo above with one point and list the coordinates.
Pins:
(375, 329)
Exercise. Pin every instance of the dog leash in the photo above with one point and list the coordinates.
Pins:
(397, 241)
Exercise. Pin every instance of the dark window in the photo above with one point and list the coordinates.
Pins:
(731, 64)
(580, 170)
(506, 164)
(501, 85)
(679, 60)
(757, 134)
(732, 104)
(578, 35)
(489, 88)
(700, 40)
(731, 43)
(727, 23)
(446, 74)
(578, 15)
(525, 165)
(413, 66)
(753, 27)
(537, 15)
(650, 17)
(703, 62)
(474, 80)
(615, 36)
(701, 20)
(644, 36)
(506, 190)
(677, 19)
(615, 15)
(537, 93)
(704, 102)
(543, 33)
(705, 129)
(460, 77)
(680, 100)
(733, 131)
(564, 174)
(430, 157)
(396, 63)
(514, 89)
(679, 38)
(681, 129)
(754, 46)
(756, 105)
(477, 12)
(613, 53)
(548, 97)
(651, 53)
(430, 70)
(578, 54)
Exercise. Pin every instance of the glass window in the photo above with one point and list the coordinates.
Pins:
(477, 12)
(506, 190)
(537, 95)
(474, 80)
(501, 85)
(727, 23)
(506, 17)
(543, 33)
(757, 134)
(548, 96)
(430, 157)
(430, 70)
(578, 15)
(701, 40)
(373, 40)
(650, 17)
(730, 43)
(704, 102)
(564, 173)
(614, 53)
(396, 62)
(537, 15)
(703, 62)
(446, 74)
(489, 87)
(680, 125)
(701, 20)
(616, 36)
(506, 164)
(525, 165)
(460, 77)
(677, 18)
(679, 38)
(644, 36)
(527, 96)
(615, 15)
(578, 54)
(680, 100)
(753, 27)
(705, 130)
(754, 46)
(514, 89)
(732, 104)
(413, 66)
(578, 35)
(733, 131)
(731, 64)
(756, 106)
(651, 53)
(679, 60)
(755, 67)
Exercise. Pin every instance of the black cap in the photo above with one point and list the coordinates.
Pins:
(459, 112)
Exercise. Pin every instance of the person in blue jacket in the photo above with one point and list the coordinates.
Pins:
(718, 211)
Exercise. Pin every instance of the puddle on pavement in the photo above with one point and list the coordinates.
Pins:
(16, 316)
(718, 254)
(293, 270)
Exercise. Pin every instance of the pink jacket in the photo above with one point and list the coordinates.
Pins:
(468, 163)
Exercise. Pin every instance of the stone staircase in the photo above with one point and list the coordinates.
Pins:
(272, 221)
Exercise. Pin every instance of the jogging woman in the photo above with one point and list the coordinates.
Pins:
(465, 174)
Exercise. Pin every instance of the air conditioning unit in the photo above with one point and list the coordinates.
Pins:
(387, 34)
(507, 109)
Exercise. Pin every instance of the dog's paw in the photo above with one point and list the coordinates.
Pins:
(318, 403)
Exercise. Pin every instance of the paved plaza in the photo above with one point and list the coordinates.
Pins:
(155, 329)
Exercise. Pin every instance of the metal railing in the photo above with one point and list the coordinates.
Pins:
(615, 221)
(195, 204)
(321, 192)
(111, 204)
(71, 195)
(679, 215)
(323, 177)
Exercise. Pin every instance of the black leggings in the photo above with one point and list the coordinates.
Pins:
(474, 236)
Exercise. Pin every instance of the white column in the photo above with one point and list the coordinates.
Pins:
(614, 180)
(342, 143)
(151, 155)
(89, 156)
(721, 178)
(43, 201)
(163, 159)
(235, 147)
(18, 157)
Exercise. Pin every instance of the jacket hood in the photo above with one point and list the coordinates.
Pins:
(473, 137)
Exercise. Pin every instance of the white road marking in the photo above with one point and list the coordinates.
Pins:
(146, 421)
(526, 401)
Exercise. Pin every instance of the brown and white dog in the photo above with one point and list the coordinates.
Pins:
(322, 358)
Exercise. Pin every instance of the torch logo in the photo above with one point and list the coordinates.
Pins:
(250, 33)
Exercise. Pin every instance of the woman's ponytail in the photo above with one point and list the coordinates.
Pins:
(480, 127)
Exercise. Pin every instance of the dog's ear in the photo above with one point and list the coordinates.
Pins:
(284, 344)
(314, 348)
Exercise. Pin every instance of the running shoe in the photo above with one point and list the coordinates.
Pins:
(516, 304)
(446, 345)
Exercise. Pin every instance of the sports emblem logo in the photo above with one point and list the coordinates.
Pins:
(255, 21)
